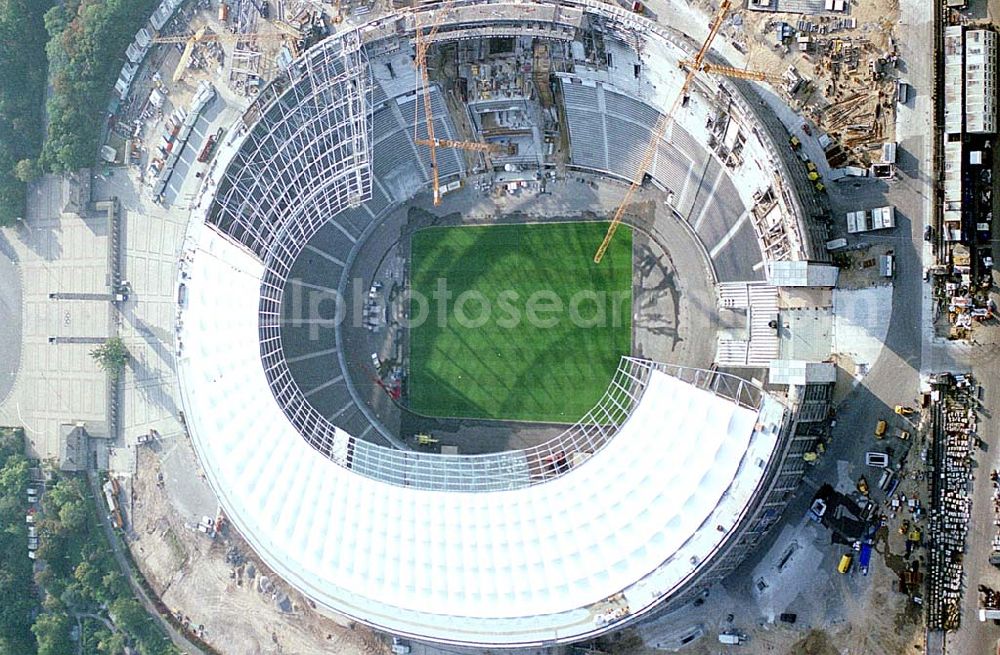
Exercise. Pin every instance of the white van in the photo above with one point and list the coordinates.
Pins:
(887, 265)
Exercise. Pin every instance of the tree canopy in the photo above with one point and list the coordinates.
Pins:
(80, 579)
(15, 567)
(22, 93)
(86, 51)
(111, 356)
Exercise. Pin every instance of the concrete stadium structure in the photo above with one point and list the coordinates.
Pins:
(655, 495)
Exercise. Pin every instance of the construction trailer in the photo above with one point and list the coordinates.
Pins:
(867, 220)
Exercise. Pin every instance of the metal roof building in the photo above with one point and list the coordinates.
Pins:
(981, 81)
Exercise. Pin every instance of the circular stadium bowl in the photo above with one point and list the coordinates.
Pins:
(638, 506)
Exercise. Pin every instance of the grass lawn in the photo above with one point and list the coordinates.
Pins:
(548, 338)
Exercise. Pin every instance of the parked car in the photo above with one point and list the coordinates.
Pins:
(817, 510)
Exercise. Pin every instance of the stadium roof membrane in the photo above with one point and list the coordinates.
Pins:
(518, 566)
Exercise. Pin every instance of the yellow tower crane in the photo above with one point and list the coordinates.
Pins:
(420, 61)
(475, 146)
(696, 65)
(203, 35)
(421, 42)
(729, 71)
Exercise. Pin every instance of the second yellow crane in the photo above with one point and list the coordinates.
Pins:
(694, 65)
(739, 73)
(203, 35)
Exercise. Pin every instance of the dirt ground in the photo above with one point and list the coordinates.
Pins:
(859, 268)
(224, 603)
(841, 99)
(877, 621)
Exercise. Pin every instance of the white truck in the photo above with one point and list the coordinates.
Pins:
(866, 220)
(843, 174)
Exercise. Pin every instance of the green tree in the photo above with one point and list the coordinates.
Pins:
(111, 356)
(73, 516)
(128, 615)
(27, 170)
(113, 585)
(112, 644)
(52, 632)
(65, 490)
(23, 74)
(90, 578)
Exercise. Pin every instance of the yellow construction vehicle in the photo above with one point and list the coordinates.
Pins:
(696, 64)
(425, 440)
(845, 563)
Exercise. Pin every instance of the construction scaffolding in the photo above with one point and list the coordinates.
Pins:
(306, 158)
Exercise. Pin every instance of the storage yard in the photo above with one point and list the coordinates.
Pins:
(846, 58)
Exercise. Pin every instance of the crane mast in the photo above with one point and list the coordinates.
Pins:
(431, 141)
(660, 128)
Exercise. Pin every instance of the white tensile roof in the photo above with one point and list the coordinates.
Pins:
(508, 567)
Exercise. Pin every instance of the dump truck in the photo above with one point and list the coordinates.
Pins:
(865, 557)
(732, 638)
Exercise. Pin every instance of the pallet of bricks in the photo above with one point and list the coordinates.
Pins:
(952, 504)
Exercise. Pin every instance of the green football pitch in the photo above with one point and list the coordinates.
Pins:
(517, 322)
